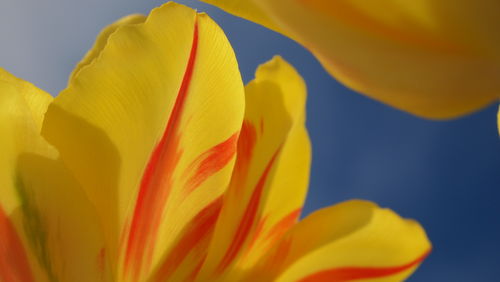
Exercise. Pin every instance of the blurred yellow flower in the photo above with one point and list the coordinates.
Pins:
(435, 59)
(157, 164)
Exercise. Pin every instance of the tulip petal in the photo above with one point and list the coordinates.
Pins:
(18, 123)
(349, 241)
(60, 223)
(48, 228)
(149, 128)
(23, 106)
(435, 59)
(270, 178)
(34, 98)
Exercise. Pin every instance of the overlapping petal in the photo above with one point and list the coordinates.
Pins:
(354, 240)
(18, 125)
(149, 126)
(48, 228)
(257, 237)
(271, 174)
(436, 59)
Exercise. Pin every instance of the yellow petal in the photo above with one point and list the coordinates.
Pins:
(149, 128)
(47, 223)
(354, 240)
(35, 99)
(270, 178)
(18, 126)
(23, 106)
(436, 59)
(60, 222)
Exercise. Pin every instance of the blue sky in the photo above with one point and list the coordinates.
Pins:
(444, 174)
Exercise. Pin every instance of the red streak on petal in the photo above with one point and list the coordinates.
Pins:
(153, 194)
(101, 260)
(246, 143)
(196, 270)
(256, 235)
(157, 181)
(275, 233)
(211, 161)
(197, 231)
(282, 226)
(280, 254)
(14, 266)
(248, 219)
(355, 273)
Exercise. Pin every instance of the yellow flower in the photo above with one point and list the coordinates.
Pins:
(435, 59)
(157, 164)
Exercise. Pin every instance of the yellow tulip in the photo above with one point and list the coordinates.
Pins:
(157, 164)
(432, 58)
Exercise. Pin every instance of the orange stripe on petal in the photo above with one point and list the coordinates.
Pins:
(283, 225)
(195, 233)
(245, 147)
(279, 256)
(246, 143)
(101, 261)
(192, 276)
(14, 266)
(211, 162)
(157, 181)
(247, 221)
(276, 231)
(255, 235)
(355, 273)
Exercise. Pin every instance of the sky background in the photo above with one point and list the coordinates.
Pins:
(446, 175)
